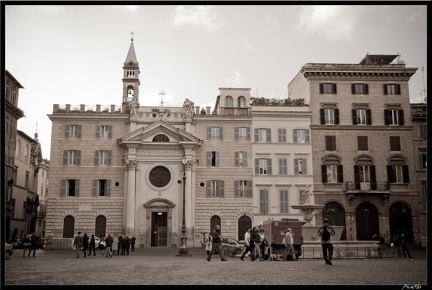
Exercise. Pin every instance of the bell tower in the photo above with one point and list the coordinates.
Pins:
(131, 77)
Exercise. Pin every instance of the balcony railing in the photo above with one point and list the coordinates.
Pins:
(366, 186)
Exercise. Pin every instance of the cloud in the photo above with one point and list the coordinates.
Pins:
(332, 22)
(237, 80)
(132, 8)
(246, 42)
(204, 16)
(407, 13)
(272, 21)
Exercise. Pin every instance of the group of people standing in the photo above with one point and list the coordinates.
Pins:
(256, 244)
(30, 243)
(110, 246)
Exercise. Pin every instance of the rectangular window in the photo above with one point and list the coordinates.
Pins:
(26, 182)
(263, 201)
(243, 188)
(240, 158)
(215, 188)
(360, 117)
(395, 143)
(213, 158)
(332, 174)
(398, 174)
(393, 117)
(362, 143)
(71, 157)
(70, 187)
(423, 159)
(300, 166)
(281, 135)
(101, 187)
(330, 143)
(364, 173)
(329, 116)
(104, 131)
(102, 158)
(301, 136)
(392, 89)
(423, 195)
(73, 131)
(262, 135)
(328, 88)
(283, 166)
(263, 166)
(283, 201)
(215, 133)
(359, 89)
(242, 133)
(423, 131)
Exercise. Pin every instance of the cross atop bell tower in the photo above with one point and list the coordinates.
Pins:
(131, 76)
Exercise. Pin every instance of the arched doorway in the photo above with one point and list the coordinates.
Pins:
(244, 223)
(367, 221)
(215, 220)
(335, 213)
(400, 218)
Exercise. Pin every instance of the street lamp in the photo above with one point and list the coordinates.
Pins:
(183, 251)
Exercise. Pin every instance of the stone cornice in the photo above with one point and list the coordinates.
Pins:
(360, 128)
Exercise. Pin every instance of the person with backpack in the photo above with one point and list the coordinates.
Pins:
(326, 232)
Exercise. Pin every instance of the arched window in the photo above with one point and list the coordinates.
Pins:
(100, 228)
(364, 173)
(215, 220)
(241, 102)
(68, 226)
(228, 102)
(335, 213)
(130, 92)
(160, 138)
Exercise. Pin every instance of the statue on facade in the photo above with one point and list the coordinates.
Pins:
(188, 107)
(308, 195)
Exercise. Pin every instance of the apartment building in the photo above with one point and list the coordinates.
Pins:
(361, 132)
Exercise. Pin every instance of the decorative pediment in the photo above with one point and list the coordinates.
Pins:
(145, 135)
(159, 202)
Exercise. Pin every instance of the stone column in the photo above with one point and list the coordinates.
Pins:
(130, 195)
(188, 195)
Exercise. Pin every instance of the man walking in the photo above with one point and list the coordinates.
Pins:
(216, 244)
(78, 242)
(108, 243)
(326, 232)
(249, 245)
(289, 246)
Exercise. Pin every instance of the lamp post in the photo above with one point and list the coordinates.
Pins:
(183, 251)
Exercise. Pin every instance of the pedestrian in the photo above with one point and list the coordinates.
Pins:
(289, 253)
(120, 245)
(26, 244)
(126, 245)
(78, 242)
(326, 232)
(216, 244)
(208, 242)
(132, 240)
(33, 244)
(395, 240)
(85, 244)
(256, 239)
(115, 245)
(404, 244)
(102, 245)
(108, 245)
(92, 245)
(263, 245)
(249, 245)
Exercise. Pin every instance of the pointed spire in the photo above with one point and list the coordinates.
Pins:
(36, 135)
(131, 57)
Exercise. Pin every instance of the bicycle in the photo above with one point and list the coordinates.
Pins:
(338, 253)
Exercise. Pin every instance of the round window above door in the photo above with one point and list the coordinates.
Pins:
(160, 176)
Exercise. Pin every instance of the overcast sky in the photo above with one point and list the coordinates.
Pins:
(74, 54)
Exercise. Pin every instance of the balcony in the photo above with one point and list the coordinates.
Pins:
(366, 186)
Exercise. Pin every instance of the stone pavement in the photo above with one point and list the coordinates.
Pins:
(161, 266)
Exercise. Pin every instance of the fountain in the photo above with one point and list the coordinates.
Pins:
(310, 230)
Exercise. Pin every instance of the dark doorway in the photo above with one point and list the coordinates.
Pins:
(335, 213)
(400, 218)
(367, 221)
(244, 224)
(159, 229)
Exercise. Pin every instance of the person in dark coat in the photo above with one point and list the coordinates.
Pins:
(108, 249)
(126, 245)
(133, 239)
(33, 244)
(92, 246)
(26, 244)
(85, 244)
